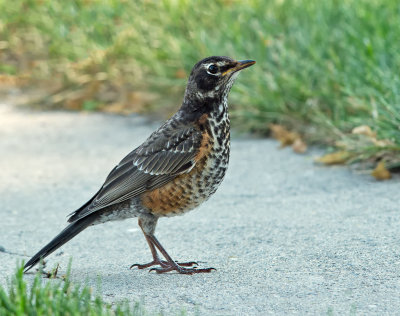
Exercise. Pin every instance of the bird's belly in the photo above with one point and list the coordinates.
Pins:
(189, 190)
(120, 211)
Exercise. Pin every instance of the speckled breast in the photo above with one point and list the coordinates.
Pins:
(189, 190)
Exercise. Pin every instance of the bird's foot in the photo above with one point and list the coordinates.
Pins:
(164, 264)
(181, 270)
(169, 264)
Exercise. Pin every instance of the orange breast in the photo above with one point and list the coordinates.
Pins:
(170, 199)
(181, 194)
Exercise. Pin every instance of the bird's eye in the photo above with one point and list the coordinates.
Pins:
(212, 69)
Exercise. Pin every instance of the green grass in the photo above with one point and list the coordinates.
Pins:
(323, 67)
(58, 297)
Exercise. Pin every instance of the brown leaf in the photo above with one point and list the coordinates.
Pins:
(11, 81)
(115, 108)
(299, 146)
(364, 130)
(382, 142)
(336, 158)
(280, 133)
(74, 104)
(380, 172)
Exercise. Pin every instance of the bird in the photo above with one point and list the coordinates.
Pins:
(177, 168)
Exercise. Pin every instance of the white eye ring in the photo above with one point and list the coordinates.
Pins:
(212, 69)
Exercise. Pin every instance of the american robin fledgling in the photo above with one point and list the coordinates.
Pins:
(176, 169)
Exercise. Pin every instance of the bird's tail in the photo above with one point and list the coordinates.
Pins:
(68, 233)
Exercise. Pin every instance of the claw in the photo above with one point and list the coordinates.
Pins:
(140, 266)
(187, 264)
(163, 264)
(181, 270)
(135, 265)
(175, 266)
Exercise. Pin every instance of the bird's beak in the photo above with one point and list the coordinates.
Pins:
(240, 64)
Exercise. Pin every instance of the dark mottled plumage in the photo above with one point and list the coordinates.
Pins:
(176, 169)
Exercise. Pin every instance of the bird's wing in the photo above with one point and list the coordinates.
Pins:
(164, 155)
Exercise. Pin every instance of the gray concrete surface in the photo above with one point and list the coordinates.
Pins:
(286, 236)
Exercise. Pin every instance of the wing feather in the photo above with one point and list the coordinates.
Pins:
(167, 153)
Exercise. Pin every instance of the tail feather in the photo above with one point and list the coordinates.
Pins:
(67, 234)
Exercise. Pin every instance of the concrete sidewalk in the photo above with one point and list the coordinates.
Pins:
(285, 235)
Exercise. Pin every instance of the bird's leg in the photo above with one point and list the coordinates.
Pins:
(172, 265)
(156, 259)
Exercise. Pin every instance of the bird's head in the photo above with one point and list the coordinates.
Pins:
(212, 78)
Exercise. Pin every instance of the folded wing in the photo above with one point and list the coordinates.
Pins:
(167, 153)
